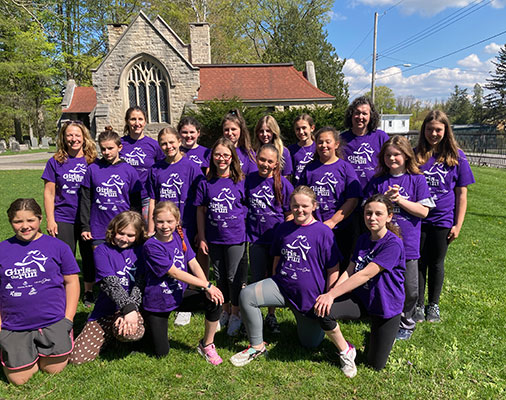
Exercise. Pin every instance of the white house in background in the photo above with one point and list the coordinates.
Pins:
(395, 123)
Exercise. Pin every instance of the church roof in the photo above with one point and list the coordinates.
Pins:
(84, 100)
(257, 82)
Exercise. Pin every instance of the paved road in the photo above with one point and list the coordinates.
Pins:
(25, 161)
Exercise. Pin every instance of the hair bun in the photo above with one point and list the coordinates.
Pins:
(108, 128)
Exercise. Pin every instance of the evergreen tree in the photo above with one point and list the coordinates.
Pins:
(495, 101)
(459, 107)
(478, 109)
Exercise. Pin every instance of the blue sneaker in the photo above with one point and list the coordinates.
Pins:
(404, 334)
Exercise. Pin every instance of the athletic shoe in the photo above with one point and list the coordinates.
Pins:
(247, 355)
(272, 323)
(182, 318)
(209, 353)
(223, 321)
(348, 361)
(234, 324)
(419, 315)
(88, 299)
(403, 334)
(432, 313)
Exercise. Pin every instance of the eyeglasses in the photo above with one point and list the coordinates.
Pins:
(225, 157)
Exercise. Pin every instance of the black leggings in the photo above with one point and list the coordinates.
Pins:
(71, 234)
(383, 330)
(433, 247)
(158, 322)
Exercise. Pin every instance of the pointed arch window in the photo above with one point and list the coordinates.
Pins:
(147, 88)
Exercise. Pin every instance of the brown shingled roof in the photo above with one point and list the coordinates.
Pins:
(84, 100)
(256, 82)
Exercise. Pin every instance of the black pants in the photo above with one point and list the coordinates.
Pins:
(71, 234)
(433, 248)
(346, 238)
(383, 330)
(158, 322)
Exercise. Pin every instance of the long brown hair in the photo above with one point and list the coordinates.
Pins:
(381, 198)
(277, 138)
(89, 147)
(402, 144)
(244, 141)
(236, 173)
(276, 172)
(447, 150)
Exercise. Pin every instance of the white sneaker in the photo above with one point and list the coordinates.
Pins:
(182, 318)
(348, 361)
(234, 324)
(223, 321)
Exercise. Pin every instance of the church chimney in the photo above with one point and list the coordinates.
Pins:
(310, 73)
(200, 43)
(114, 32)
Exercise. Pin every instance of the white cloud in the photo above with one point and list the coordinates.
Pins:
(471, 61)
(492, 48)
(425, 7)
(335, 16)
(435, 84)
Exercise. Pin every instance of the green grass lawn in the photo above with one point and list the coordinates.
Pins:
(462, 357)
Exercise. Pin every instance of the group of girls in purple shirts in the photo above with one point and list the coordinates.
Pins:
(149, 214)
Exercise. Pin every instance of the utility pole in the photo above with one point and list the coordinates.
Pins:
(373, 77)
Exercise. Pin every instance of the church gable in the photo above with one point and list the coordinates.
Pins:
(172, 37)
(145, 69)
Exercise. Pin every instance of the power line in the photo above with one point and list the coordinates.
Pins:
(436, 27)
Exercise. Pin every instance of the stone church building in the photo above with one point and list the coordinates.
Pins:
(150, 66)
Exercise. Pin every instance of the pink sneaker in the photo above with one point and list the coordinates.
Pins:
(209, 353)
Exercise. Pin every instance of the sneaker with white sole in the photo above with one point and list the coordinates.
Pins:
(347, 361)
(246, 356)
(223, 321)
(182, 318)
(432, 313)
(209, 353)
(234, 325)
(419, 315)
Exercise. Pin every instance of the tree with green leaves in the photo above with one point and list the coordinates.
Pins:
(495, 101)
(478, 107)
(458, 107)
(384, 99)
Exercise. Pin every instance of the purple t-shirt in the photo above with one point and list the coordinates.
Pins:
(362, 152)
(113, 261)
(306, 253)
(32, 294)
(383, 294)
(226, 211)
(248, 165)
(413, 188)
(264, 212)
(200, 155)
(141, 154)
(110, 188)
(442, 180)
(301, 156)
(333, 184)
(163, 293)
(288, 167)
(178, 183)
(67, 178)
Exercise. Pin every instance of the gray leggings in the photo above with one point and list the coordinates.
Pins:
(411, 290)
(266, 294)
(229, 271)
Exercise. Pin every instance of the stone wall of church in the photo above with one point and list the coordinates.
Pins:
(109, 79)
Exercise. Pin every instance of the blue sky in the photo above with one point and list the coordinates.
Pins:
(350, 31)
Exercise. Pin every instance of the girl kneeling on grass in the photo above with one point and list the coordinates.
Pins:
(170, 268)
(373, 285)
(39, 291)
(116, 312)
(306, 262)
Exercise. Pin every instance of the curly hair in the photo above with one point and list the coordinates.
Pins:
(374, 119)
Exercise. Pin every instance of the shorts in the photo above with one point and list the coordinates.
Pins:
(20, 349)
